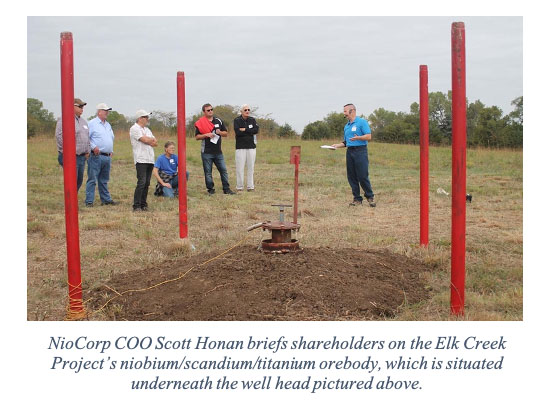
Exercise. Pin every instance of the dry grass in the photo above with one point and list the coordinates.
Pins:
(114, 239)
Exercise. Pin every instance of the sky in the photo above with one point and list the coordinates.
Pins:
(294, 69)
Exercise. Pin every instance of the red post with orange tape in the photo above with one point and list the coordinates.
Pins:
(75, 308)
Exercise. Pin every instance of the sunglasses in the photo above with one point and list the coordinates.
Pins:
(80, 106)
(211, 109)
(247, 109)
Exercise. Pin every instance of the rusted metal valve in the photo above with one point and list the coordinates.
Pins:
(281, 234)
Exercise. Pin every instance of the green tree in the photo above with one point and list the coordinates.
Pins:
(490, 129)
(317, 130)
(516, 115)
(336, 122)
(379, 120)
(39, 119)
(473, 114)
(267, 127)
(119, 121)
(439, 110)
(286, 131)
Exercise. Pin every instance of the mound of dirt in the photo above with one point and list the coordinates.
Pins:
(247, 284)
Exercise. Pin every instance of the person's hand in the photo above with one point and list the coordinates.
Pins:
(167, 185)
(87, 155)
(217, 132)
(96, 151)
(354, 138)
(242, 129)
(154, 143)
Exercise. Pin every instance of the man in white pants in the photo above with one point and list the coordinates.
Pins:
(246, 129)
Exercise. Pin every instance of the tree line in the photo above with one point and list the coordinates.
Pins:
(486, 126)
(42, 122)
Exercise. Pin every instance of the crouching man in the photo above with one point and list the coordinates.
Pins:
(166, 172)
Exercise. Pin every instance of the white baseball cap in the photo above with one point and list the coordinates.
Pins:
(103, 106)
(142, 113)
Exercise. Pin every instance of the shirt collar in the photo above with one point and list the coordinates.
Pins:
(351, 122)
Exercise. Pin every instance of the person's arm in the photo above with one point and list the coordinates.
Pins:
(364, 137)
(59, 136)
(239, 130)
(200, 136)
(156, 175)
(112, 137)
(365, 130)
(222, 130)
(254, 129)
(93, 146)
(148, 140)
(340, 145)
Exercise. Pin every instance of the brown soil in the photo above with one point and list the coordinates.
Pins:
(247, 284)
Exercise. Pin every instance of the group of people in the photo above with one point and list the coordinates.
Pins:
(94, 144)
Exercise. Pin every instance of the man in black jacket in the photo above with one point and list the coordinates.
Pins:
(246, 129)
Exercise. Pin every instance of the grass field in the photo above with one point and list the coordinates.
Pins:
(114, 239)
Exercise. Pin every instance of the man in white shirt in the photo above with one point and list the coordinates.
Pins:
(142, 141)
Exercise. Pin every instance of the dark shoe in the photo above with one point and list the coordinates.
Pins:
(372, 204)
(229, 192)
(212, 192)
(137, 209)
(89, 205)
(109, 203)
(356, 203)
(144, 208)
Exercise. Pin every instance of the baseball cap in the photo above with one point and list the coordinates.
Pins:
(78, 102)
(142, 113)
(103, 106)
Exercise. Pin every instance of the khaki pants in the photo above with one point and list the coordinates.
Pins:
(244, 157)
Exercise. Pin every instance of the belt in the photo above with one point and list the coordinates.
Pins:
(358, 147)
(101, 153)
(79, 155)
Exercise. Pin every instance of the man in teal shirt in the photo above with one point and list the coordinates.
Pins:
(357, 132)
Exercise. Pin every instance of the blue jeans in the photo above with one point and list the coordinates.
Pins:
(219, 161)
(170, 192)
(98, 170)
(81, 160)
(357, 163)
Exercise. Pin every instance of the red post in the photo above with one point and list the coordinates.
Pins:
(70, 178)
(296, 186)
(423, 135)
(459, 175)
(295, 152)
(181, 131)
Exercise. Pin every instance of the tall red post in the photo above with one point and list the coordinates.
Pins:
(423, 136)
(181, 131)
(459, 175)
(296, 186)
(295, 152)
(76, 309)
